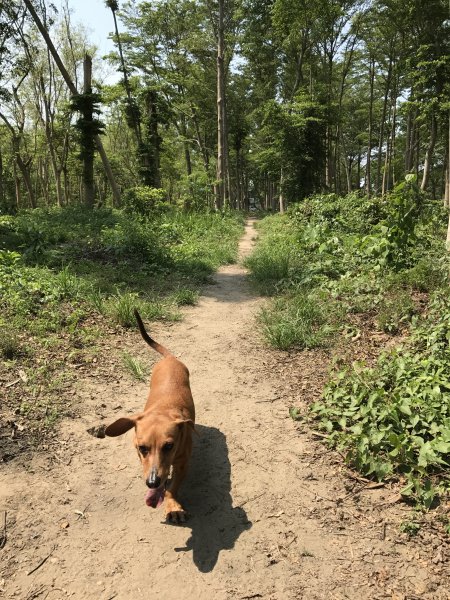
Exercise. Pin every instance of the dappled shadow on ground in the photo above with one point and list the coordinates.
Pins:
(215, 524)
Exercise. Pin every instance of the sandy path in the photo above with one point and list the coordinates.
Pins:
(259, 499)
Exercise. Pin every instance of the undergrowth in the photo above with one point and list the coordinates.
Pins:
(68, 274)
(329, 258)
(394, 418)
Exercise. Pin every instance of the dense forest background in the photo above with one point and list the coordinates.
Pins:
(221, 103)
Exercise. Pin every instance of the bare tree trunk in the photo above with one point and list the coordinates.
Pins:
(281, 196)
(390, 149)
(200, 143)
(348, 164)
(2, 191)
(187, 153)
(153, 140)
(409, 142)
(358, 170)
(17, 187)
(328, 158)
(429, 154)
(369, 145)
(24, 169)
(133, 113)
(447, 172)
(382, 124)
(73, 90)
(221, 164)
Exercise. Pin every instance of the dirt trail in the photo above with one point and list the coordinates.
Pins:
(265, 521)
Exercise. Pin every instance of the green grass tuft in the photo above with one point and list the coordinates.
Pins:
(298, 321)
(135, 367)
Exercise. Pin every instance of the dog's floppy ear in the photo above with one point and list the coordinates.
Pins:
(120, 426)
(189, 422)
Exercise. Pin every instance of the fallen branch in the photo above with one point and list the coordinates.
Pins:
(42, 561)
(3, 537)
(250, 500)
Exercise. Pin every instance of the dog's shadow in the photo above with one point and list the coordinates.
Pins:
(206, 495)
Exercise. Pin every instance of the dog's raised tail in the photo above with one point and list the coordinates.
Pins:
(151, 342)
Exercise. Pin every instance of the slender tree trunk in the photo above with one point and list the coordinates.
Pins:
(385, 182)
(417, 149)
(348, 164)
(383, 122)
(369, 145)
(238, 178)
(17, 187)
(390, 149)
(328, 159)
(2, 188)
(221, 164)
(281, 196)
(73, 90)
(153, 141)
(358, 170)
(410, 137)
(66, 185)
(133, 113)
(187, 152)
(201, 145)
(429, 154)
(447, 173)
(24, 170)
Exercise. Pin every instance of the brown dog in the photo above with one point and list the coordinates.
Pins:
(163, 432)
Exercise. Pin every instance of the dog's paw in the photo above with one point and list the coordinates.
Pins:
(175, 512)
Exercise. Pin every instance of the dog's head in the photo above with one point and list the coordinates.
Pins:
(158, 438)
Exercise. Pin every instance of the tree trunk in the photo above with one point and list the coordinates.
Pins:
(221, 164)
(73, 90)
(17, 187)
(2, 191)
(23, 167)
(281, 196)
(133, 113)
(153, 140)
(88, 154)
(187, 153)
(200, 143)
(409, 142)
(447, 173)
(429, 154)
(369, 145)
(390, 149)
(382, 124)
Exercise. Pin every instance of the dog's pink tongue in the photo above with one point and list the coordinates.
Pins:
(154, 498)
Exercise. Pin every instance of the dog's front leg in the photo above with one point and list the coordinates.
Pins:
(174, 511)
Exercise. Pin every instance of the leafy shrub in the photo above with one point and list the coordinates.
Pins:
(144, 201)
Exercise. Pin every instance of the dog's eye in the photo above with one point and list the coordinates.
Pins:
(143, 450)
(167, 447)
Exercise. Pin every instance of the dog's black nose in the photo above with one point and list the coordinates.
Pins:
(153, 482)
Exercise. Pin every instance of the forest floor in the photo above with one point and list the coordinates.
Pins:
(274, 513)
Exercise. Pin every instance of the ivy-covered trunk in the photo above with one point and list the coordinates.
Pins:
(87, 138)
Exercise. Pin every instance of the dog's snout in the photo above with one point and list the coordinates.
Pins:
(153, 481)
